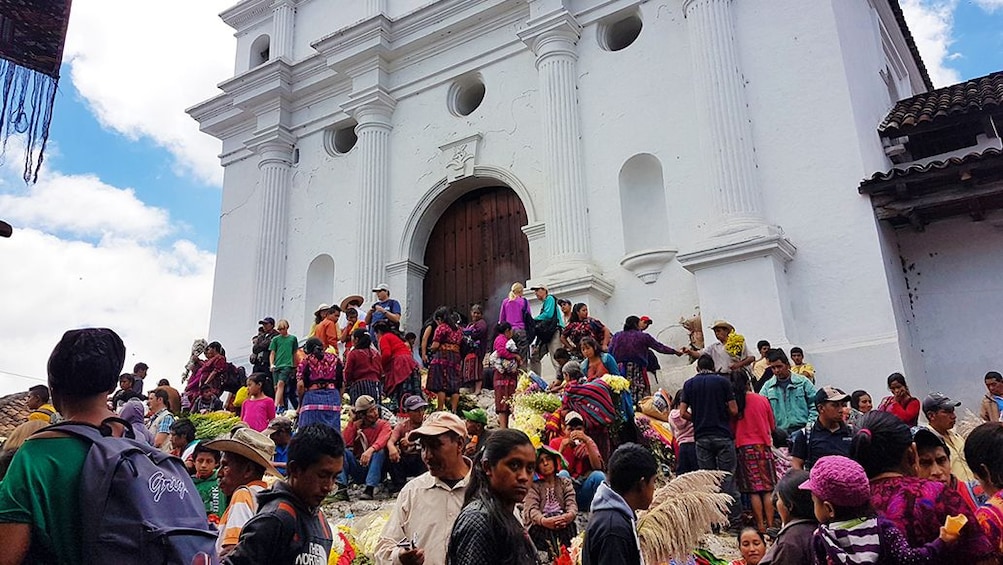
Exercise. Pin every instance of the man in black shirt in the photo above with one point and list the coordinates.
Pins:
(827, 435)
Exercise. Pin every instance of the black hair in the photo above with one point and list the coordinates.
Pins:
(705, 363)
(994, 375)
(777, 355)
(561, 354)
(780, 438)
(880, 442)
(740, 386)
(185, 429)
(352, 312)
(855, 397)
(443, 314)
(164, 382)
(563, 301)
(314, 441)
(319, 316)
(215, 345)
(128, 376)
(257, 378)
(201, 448)
(86, 362)
(677, 398)
(313, 346)
(498, 445)
(631, 323)
(575, 310)
(897, 377)
(843, 513)
(407, 337)
(797, 501)
(742, 531)
(502, 327)
(362, 339)
(162, 395)
(591, 342)
(984, 453)
(797, 350)
(41, 391)
(140, 367)
(761, 344)
(628, 465)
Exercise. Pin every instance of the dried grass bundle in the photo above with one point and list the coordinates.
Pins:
(682, 512)
(964, 426)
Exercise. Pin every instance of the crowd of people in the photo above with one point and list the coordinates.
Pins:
(815, 475)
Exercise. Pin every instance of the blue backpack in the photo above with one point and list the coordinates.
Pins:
(138, 504)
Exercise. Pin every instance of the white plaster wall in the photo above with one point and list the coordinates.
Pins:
(954, 272)
(245, 38)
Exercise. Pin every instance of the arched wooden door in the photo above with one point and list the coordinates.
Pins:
(475, 252)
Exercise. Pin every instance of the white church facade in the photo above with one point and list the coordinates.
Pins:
(661, 158)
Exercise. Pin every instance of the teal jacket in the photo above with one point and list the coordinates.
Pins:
(793, 401)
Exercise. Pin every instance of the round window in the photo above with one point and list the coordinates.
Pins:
(341, 140)
(619, 33)
(466, 95)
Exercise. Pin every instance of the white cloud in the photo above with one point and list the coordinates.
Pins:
(932, 25)
(155, 293)
(989, 5)
(66, 204)
(140, 63)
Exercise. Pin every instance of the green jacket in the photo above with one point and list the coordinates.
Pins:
(793, 401)
(212, 497)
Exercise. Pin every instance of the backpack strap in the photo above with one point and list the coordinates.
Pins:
(87, 432)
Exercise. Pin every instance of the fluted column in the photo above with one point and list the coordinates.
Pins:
(726, 126)
(274, 179)
(374, 116)
(375, 7)
(554, 41)
(283, 29)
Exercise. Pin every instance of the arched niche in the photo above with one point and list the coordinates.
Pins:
(319, 285)
(644, 217)
(259, 53)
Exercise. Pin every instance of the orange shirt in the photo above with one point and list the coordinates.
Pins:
(328, 334)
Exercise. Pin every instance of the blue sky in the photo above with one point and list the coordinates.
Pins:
(122, 229)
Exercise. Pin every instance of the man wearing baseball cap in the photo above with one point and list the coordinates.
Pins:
(366, 438)
(247, 456)
(584, 460)
(827, 435)
(405, 459)
(418, 528)
(940, 417)
(548, 325)
(385, 308)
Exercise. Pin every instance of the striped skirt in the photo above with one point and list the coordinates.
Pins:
(321, 405)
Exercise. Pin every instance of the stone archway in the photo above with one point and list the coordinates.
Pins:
(475, 251)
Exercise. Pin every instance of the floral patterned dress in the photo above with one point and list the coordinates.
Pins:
(444, 370)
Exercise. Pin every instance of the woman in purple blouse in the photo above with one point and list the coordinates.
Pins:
(630, 349)
(514, 310)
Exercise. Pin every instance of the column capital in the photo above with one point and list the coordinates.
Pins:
(371, 107)
(273, 145)
(690, 4)
(556, 33)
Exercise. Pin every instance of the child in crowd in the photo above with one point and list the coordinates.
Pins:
(550, 508)
(506, 363)
(557, 386)
(792, 544)
(686, 447)
(781, 452)
(280, 430)
(207, 401)
(183, 442)
(258, 409)
(851, 531)
(984, 454)
(207, 482)
(476, 421)
(752, 545)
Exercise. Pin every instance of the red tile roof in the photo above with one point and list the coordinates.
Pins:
(985, 155)
(976, 95)
(13, 412)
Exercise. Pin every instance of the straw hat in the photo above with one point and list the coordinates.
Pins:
(251, 445)
(722, 324)
(323, 306)
(354, 300)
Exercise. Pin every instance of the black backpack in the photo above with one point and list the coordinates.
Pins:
(138, 503)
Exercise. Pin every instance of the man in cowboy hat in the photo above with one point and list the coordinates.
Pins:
(366, 438)
(385, 308)
(247, 456)
(419, 526)
(723, 362)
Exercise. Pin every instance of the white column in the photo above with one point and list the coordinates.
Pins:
(375, 7)
(374, 117)
(283, 29)
(273, 185)
(554, 43)
(726, 131)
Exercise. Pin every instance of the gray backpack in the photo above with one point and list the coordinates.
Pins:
(138, 504)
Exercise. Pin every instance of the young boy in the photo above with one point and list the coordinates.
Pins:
(477, 423)
(183, 443)
(207, 483)
(611, 536)
(282, 360)
(207, 401)
(799, 366)
(280, 430)
(289, 526)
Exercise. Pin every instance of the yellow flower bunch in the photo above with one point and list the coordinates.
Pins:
(532, 423)
(523, 383)
(616, 382)
(735, 344)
